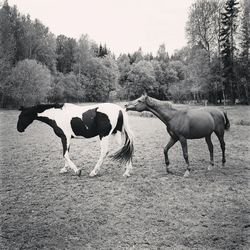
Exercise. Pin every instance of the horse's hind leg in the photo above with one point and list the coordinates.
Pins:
(183, 142)
(66, 166)
(118, 137)
(223, 146)
(128, 169)
(211, 149)
(104, 151)
(170, 144)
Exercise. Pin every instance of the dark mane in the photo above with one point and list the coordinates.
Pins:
(42, 107)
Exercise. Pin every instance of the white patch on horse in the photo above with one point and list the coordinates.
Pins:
(63, 118)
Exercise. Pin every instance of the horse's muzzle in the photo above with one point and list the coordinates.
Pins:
(129, 107)
(126, 106)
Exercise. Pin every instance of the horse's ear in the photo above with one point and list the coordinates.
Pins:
(144, 93)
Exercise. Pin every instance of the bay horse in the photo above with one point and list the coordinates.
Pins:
(185, 124)
(74, 121)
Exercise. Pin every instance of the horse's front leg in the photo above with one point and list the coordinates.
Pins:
(211, 150)
(65, 168)
(104, 151)
(170, 144)
(68, 162)
(183, 142)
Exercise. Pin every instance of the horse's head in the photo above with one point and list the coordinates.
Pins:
(25, 118)
(140, 104)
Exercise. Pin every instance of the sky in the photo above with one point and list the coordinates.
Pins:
(124, 25)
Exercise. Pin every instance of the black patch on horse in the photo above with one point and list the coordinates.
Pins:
(103, 124)
(93, 123)
(119, 124)
(42, 107)
(86, 126)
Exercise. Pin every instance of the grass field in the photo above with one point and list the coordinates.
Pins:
(41, 209)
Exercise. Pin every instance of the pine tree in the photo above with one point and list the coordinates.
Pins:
(244, 55)
(103, 51)
(227, 39)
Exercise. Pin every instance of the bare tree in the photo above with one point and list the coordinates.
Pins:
(202, 25)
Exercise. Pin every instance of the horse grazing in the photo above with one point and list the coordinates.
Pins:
(185, 124)
(71, 121)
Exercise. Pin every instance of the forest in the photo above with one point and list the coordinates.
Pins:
(37, 66)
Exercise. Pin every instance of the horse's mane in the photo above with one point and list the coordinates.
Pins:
(39, 108)
(152, 102)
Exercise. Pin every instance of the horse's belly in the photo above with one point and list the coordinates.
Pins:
(200, 129)
(79, 128)
(198, 135)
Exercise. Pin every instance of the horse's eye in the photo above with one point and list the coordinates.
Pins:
(139, 101)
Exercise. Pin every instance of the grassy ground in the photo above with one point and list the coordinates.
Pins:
(41, 209)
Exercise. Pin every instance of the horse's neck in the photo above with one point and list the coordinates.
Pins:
(42, 119)
(162, 110)
(46, 120)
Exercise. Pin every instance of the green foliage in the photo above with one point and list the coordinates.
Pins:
(202, 26)
(227, 39)
(84, 52)
(29, 83)
(141, 77)
(8, 16)
(179, 91)
(67, 88)
(65, 49)
(136, 56)
(37, 66)
(199, 72)
(244, 60)
(124, 67)
(102, 51)
(162, 54)
(102, 75)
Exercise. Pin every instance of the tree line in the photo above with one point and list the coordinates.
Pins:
(37, 66)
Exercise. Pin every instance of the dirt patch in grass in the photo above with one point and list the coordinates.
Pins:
(41, 209)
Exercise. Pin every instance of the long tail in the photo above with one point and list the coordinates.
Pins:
(125, 154)
(227, 123)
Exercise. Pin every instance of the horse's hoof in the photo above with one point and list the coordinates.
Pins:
(169, 171)
(79, 172)
(92, 174)
(187, 173)
(63, 171)
(126, 175)
(209, 168)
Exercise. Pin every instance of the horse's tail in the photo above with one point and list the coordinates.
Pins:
(227, 123)
(125, 154)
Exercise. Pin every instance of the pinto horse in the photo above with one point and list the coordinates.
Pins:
(71, 121)
(185, 124)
